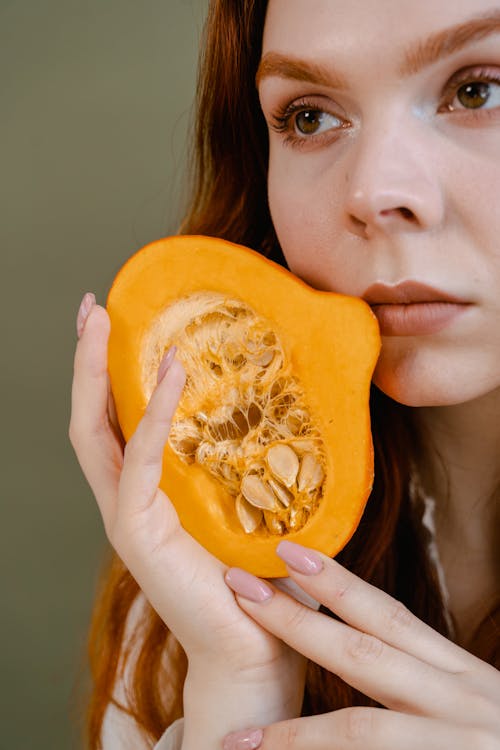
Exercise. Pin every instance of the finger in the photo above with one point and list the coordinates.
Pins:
(357, 729)
(113, 420)
(369, 609)
(143, 462)
(392, 677)
(96, 445)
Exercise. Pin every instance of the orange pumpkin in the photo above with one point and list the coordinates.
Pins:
(271, 438)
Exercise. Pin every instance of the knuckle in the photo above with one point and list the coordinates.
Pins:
(136, 452)
(344, 591)
(397, 617)
(363, 647)
(149, 414)
(78, 440)
(285, 736)
(132, 447)
(152, 417)
(290, 735)
(357, 723)
(297, 618)
(129, 448)
(81, 433)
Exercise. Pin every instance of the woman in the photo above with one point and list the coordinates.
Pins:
(363, 141)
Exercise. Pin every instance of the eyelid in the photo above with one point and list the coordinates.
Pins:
(475, 73)
(283, 113)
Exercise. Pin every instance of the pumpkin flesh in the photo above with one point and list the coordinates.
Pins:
(271, 438)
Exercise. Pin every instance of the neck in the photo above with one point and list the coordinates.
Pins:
(458, 462)
(459, 457)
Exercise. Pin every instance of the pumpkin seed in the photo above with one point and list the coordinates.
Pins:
(249, 516)
(304, 446)
(311, 473)
(258, 493)
(284, 463)
(284, 496)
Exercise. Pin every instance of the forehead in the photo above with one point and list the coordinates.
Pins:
(354, 28)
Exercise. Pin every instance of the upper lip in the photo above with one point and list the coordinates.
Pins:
(406, 293)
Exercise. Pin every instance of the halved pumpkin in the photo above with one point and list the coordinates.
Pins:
(271, 439)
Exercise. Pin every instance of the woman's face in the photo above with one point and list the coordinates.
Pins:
(384, 125)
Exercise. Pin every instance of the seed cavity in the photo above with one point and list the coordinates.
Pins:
(243, 416)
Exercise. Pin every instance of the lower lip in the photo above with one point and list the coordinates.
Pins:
(417, 318)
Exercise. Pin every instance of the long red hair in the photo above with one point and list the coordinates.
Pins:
(230, 155)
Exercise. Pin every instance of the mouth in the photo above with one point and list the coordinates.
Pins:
(412, 308)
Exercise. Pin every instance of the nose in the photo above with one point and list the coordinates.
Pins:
(392, 182)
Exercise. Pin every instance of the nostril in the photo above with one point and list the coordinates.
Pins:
(357, 226)
(357, 222)
(406, 213)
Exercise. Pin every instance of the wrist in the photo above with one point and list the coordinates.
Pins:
(218, 701)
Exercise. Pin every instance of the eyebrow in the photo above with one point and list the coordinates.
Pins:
(439, 45)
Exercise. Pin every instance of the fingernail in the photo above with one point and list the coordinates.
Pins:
(248, 586)
(299, 558)
(86, 306)
(167, 360)
(248, 739)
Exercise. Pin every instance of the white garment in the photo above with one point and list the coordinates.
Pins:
(429, 504)
(120, 733)
(172, 738)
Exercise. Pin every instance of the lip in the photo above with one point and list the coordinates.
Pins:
(406, 293)
(411, 308)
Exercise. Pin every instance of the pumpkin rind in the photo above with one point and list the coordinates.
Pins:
(332, 342)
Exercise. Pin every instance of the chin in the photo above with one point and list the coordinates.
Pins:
(413, 381)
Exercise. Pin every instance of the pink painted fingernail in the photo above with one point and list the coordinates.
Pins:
(167, 360)
(248, 586)
(248, 739)
(299, 558)
(86, 306)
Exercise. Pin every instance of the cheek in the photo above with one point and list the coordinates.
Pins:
(471, 182)
(306, 212)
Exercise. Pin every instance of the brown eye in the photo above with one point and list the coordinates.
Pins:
(474, 95)
(312, 121)
(309, 121)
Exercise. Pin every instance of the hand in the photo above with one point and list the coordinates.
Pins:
(182, 581)
(438, 694)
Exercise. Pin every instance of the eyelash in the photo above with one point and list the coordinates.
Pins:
(282, 123)
(282, 120)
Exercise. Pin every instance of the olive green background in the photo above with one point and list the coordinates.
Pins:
(96, 103)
